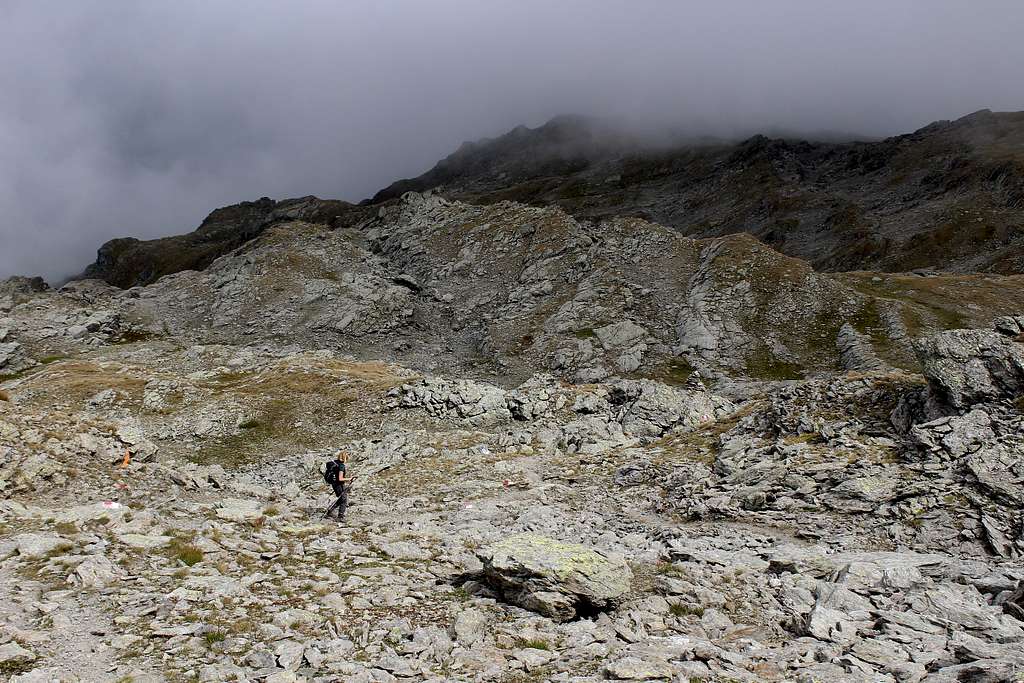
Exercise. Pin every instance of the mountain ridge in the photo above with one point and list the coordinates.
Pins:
(947, 196)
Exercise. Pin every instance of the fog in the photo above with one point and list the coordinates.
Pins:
(137, 118)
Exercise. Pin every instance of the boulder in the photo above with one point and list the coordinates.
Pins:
(96, 571)
(13, 359)
(559, 580)
(37, 546)
(470, 626)
(476, 403)
(13, 655)
(954, 436)
(620, 335)
(634, 669)
(647, 408)
(965, 367)
(239, 510)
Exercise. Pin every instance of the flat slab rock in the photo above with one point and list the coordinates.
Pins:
(559, 580)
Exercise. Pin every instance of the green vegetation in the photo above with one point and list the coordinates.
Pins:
(11, 669)
(59, 550)
(213, 637)
(674, 372)
(185, 552)
(275, 421)
(667, 569)
(585, 333)
(679, 609)
(533, 643)
(762, 364)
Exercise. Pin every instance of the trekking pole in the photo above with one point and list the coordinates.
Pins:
(331, 509)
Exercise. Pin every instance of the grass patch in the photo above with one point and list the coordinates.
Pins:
(679, 609)
(762, 364)
(47, 360)
(214, 637)
(275, 422)
(585, 333)
(674, 372)
(77, 381)
(667, 569)
(812, 437)
(533, 643)
(11, 669)
(317, 395)
(65, 528)
(185, 552)
(59, 550)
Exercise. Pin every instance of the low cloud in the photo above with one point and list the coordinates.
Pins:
(124, 118)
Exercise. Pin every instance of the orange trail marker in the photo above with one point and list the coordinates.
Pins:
(127, 458)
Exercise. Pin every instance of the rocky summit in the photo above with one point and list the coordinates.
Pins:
(585, 448)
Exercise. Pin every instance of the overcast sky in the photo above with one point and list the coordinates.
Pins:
(137, 118)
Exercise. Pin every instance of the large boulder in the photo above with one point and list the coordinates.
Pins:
(965, 367)
(648, 408)
(559, 580)
(476, 403)
(13, 359)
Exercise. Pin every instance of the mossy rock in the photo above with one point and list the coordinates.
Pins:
(558, 579)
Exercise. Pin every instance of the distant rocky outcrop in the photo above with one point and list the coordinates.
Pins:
(129, 262)
(946, 197)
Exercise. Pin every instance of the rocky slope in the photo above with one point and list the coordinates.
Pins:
(510, 289)
(947, 197)
(585, 451)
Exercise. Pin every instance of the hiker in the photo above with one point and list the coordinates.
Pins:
(335, 473)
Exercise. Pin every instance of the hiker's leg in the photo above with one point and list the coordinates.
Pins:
(339, 504)
(342, 505)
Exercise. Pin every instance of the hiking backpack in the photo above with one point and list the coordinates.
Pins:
(331, 472)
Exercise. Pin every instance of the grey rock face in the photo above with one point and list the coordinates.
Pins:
(855, 352)
(648, 408)
(474, 402)
(965, 367)
(13, 359)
